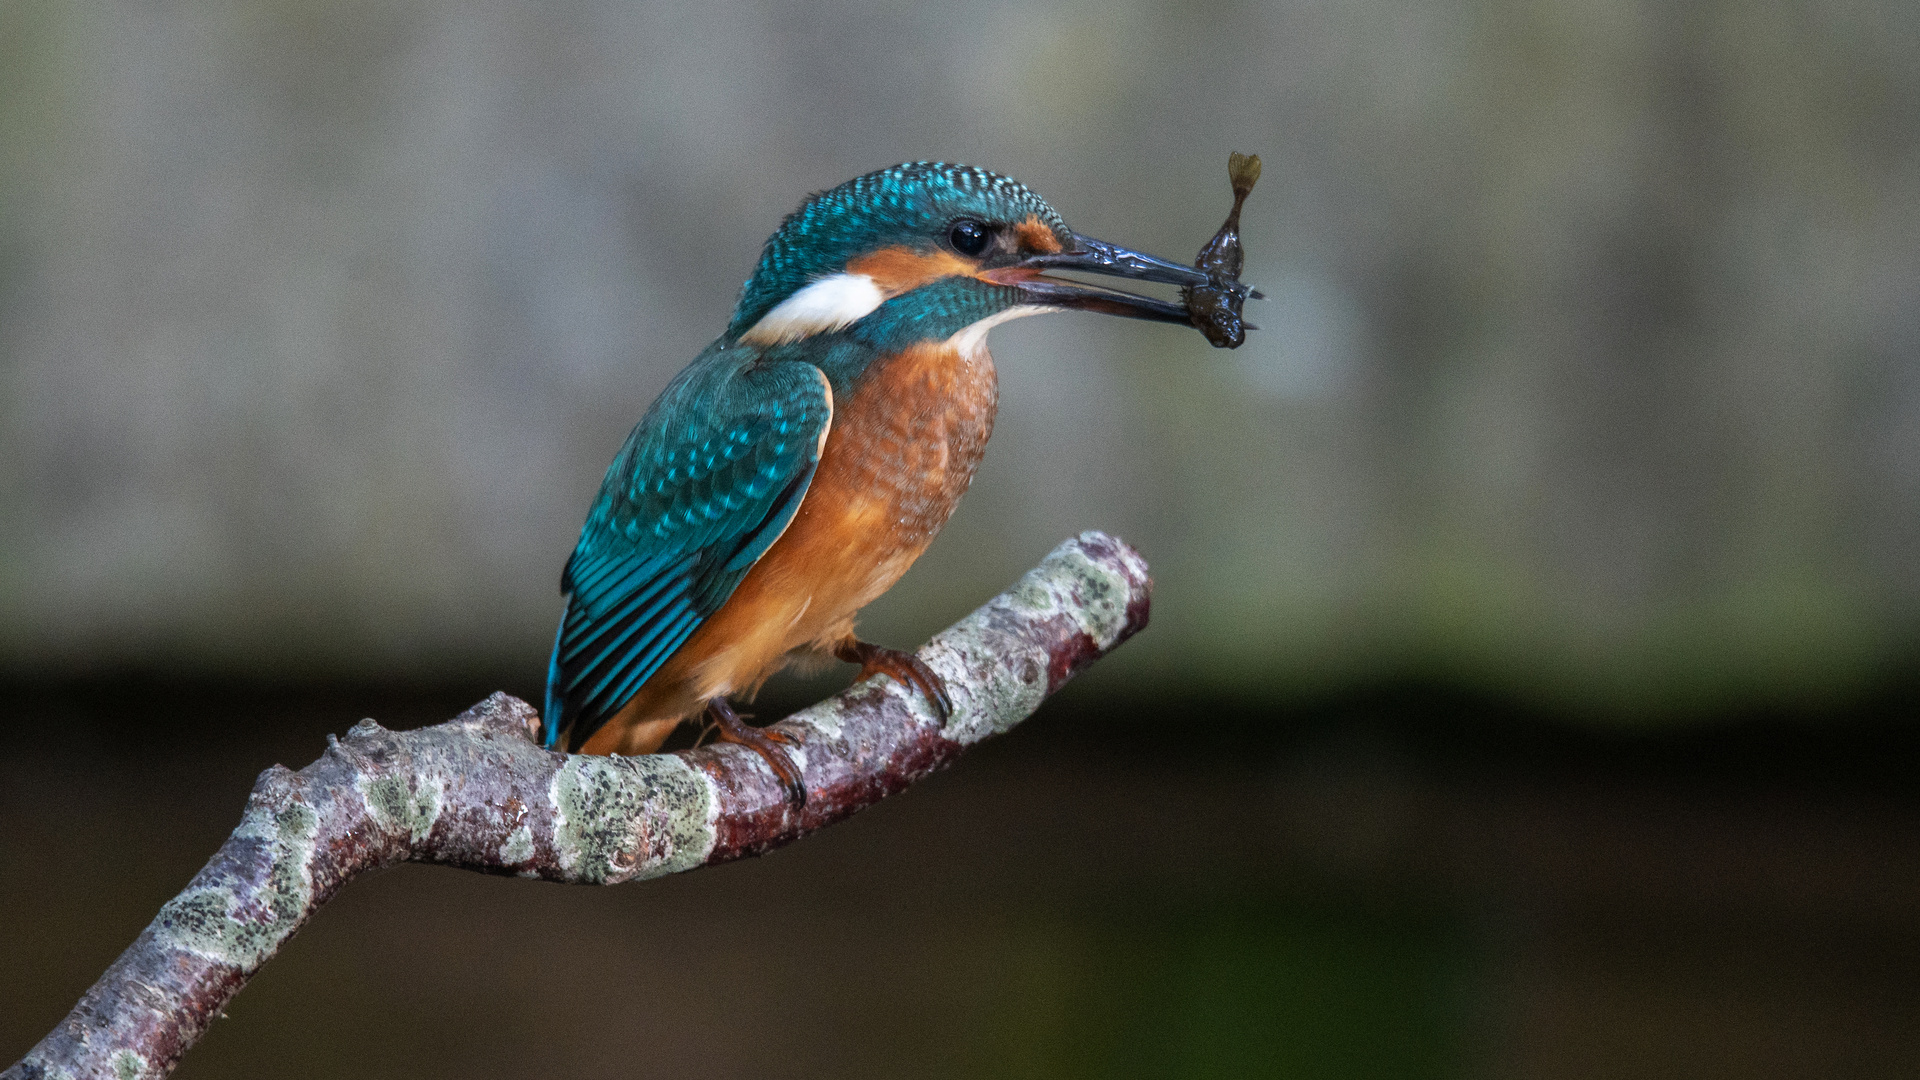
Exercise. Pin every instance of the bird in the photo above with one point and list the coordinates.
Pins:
(798, 466)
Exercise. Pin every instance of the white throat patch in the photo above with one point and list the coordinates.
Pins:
(832, 303)
(972, 341)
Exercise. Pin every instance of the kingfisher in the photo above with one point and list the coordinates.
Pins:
(802, 462)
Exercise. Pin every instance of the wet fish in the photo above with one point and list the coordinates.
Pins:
(1214, 308)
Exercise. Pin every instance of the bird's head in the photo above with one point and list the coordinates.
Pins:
(943, 246)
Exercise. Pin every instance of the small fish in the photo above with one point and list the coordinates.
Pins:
(1214, 308)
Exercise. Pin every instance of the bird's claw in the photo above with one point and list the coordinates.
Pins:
(904, 667)
(730, 728)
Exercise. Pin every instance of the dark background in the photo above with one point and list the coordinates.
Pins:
(1532, 682)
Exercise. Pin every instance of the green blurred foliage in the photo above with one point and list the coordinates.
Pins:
(1229, 991)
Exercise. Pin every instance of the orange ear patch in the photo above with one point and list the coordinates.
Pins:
(901, 269)
(1036, 237)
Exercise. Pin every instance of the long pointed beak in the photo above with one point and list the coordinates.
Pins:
(1099, 257)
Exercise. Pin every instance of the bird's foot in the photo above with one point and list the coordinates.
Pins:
(904, 667)
(730, 728)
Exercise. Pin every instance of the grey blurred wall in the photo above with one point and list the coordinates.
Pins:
(1591, 373)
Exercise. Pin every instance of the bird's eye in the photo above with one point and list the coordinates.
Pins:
(969, 237)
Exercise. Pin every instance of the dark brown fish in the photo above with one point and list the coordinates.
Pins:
(1215, 306)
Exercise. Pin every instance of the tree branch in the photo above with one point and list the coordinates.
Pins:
(477, 792)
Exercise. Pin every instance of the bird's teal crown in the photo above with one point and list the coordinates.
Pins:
(906, 205)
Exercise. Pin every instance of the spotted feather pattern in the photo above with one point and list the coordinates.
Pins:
(890, 207)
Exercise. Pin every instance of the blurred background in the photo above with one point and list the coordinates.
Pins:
(1532, 677)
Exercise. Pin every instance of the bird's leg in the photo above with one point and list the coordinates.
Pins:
(730, 728)
(710, 729)
(904, 667)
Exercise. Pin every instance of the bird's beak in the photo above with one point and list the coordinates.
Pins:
(1092, 256)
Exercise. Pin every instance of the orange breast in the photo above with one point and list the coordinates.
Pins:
(901, 451)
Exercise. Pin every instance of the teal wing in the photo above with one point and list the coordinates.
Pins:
(707, 481)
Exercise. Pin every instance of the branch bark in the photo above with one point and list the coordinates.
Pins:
(478, 792)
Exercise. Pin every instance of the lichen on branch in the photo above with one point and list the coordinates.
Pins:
(478, 792)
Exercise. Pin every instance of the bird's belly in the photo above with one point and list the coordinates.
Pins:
(896, 463)
(901, 451)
